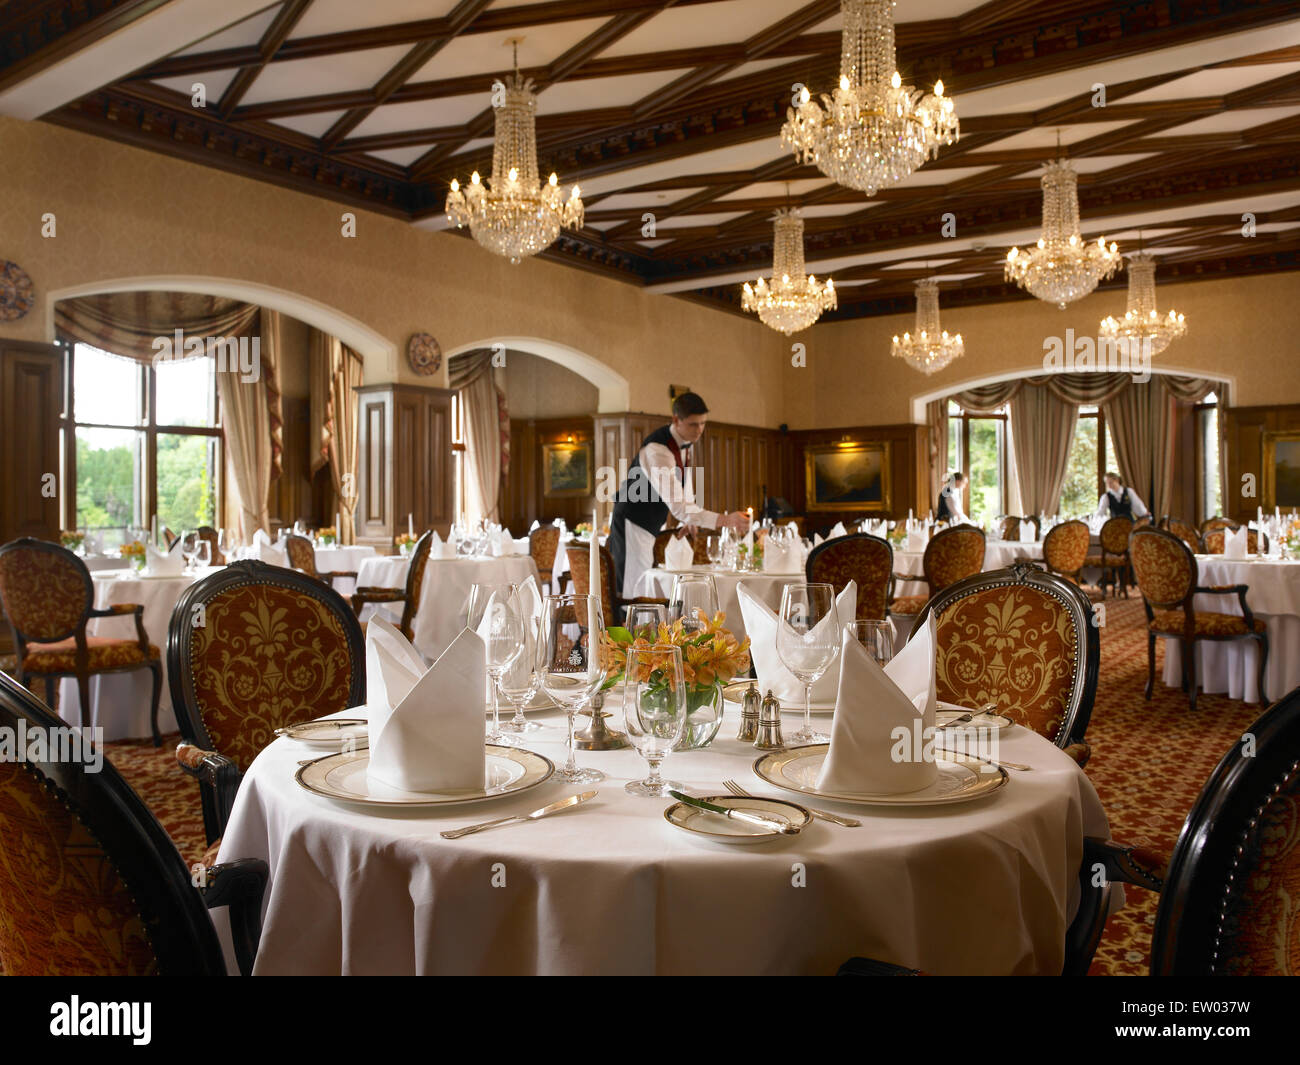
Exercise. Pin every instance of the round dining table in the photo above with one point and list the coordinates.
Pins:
(1232, 666)
(658, 583)
(612, 888)
(444, 596)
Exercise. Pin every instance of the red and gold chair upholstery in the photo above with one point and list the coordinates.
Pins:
(409, 596)
(302, 557)
(208, 533)
(1065, 548)
(90, 883)
(1212, 541)
(1010, 529)
(950, 556)
(1167, 576)
(1113, 559)
(1218, 522)
(48, 599)
(700, 541)
(1183, 530)
(544, 547)
(611, 602)
(1022, 639)
(867, 560)
(254, 648)
(661, 545)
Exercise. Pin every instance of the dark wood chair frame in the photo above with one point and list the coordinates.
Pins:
(409, 596)
(328, 578)
(145, 858)
(82, 672)
(218, 774)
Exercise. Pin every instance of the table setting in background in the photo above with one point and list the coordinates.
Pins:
(711, 829)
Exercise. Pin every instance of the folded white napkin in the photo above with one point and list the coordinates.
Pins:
(436, 547)
(426, 726)
(158, 564)
(679, 553)
(535, 525)
(1235, 543)
(882, 736)
(817, 539)
(917, 540)
(761, 623)
(783, 558)
(531, 597)
(1027, 532)
(838, 530)
(268, 552)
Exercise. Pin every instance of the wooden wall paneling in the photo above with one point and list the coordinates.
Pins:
(31, 408)
(525, 488)
(435, 498)
(290, 497)
(908, 470)
(374, 511)
(1245, 429)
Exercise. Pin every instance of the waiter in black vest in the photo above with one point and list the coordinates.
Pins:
(1119, 500)
(657, 485)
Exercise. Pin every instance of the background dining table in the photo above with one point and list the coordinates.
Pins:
(659, 581)
(983, 887)
(1232, 666)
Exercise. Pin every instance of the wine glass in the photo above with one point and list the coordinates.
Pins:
(692, 593)
(189, 541)
(713, 544)
(654, 711)
(807, 641)
(202, 554)
(520, 681)
(876, 636)
(644, 619)
(570, 663)
(493, 613)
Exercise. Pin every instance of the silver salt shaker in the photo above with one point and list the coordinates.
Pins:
(750, 704)
(769, 725)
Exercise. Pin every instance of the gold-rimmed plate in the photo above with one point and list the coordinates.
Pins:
(342, 777)
(722, 829)
(962, 778)
(986, 722)
(332, 732)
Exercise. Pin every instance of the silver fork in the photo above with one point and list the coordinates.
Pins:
(825, 815)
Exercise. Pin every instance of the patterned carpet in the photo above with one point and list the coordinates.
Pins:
(1149, 762)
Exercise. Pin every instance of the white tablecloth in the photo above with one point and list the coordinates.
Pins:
(444, 597)
(998, 554)
(1233, 666)
(119, 702)
(611, 888)
(658, 582)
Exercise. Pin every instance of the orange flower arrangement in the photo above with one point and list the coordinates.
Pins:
(711, 656)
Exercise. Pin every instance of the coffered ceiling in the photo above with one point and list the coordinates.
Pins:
(675, 108)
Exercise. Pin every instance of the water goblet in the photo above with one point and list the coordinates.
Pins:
(693, 594)
(877, 637)
(570, 664)
(493, 613)
(654, 711)
(644, 619)
(807, 641)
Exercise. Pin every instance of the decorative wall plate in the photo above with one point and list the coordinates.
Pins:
(424, 354)
(16, 296)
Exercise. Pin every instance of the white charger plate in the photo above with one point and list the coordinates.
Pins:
(961, 778)
(329, 732)
(987, 722)
(722, 829)
(342, 777)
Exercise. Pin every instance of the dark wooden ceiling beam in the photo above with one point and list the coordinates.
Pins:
(276, 34)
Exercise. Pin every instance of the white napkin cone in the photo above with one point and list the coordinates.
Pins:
(817, 540)
(1027, 532)
(1235, 542)
(917, 540)
(435, 545)
(679, 554)
(426, 726)
(534, 526)
(838, 530)
(157, 564)
(783, 558)
(761, 624)
(882, 736)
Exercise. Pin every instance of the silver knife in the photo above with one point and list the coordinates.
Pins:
(784, 827)
(563, 804)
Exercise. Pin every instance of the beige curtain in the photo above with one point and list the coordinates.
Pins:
(321, 358)
(1042, 427)
(246, 426)
(936, 418)
(487, 429)
(342, 416)
(1141, 420)
(128, 323)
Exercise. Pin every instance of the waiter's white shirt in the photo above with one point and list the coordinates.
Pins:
(661, 469)
(956, 516)
(1103, 505)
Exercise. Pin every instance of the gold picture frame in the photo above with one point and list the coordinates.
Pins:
(566, 470)
(848, 476)
(1281, 487)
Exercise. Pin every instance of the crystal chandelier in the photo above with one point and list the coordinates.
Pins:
(1142, 322)
(873, 131)
(514, 214)
(793, 300)
(1061, 268)
(931, 349)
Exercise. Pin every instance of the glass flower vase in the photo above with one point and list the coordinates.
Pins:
(703, 717)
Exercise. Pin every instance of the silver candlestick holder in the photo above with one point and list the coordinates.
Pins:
(597, 737)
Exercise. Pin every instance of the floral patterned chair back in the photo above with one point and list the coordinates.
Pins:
(1213, 541)
(579, 571)
(1065, 547)
(859, 557)
(1010, 528)
(302, 555)
(45, 589)
(1183, 531)
(543, 546)
(953, 555)
(1218, 523)
(1022, 639)
(90, 883)
(1228, 906)
(1114, 535)
(1164, 566)
(661, 545)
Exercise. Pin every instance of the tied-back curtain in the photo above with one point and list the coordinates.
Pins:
(246, 427)
(1141, 420)
(487, 430)
(344, 418)
(1042, 427)
(131, 323)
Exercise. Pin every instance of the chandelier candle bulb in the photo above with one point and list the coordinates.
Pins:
(1142, 323)
(932, 348)
(793, 300)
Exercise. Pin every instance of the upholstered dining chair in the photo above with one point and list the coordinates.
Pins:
(1023, 639)
(208, 533)
(90, 882)
(1113, 559)
(1185, 531)
(860, 557)
(1010, 528)
(1166, 573)
(1212, 541)
(950, 556)
(253, 648)
(544, 547)
(1065, 548)
(302, 557)
(1218, 522)
(48, 599)
(661, 545)
(611, 602)
(408, 596)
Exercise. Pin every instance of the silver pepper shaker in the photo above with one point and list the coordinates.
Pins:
(750, 704)
(769, 725)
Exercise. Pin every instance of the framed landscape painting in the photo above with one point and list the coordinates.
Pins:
(849, 476)
(566, 470)
(1281, 470)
